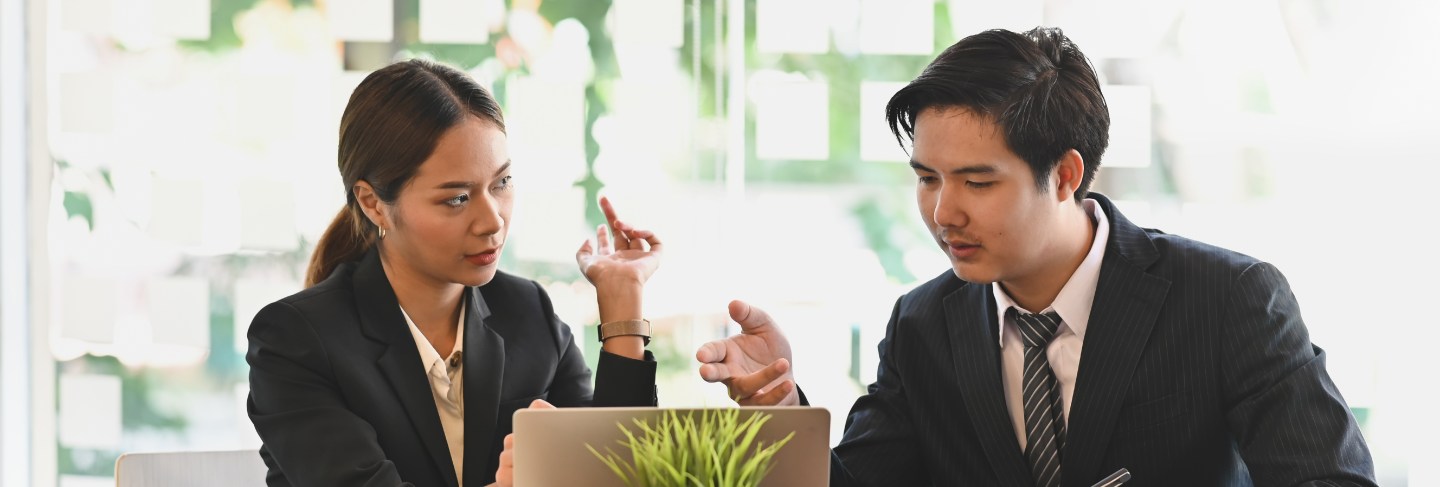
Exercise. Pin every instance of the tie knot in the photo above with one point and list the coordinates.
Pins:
(1036, 328)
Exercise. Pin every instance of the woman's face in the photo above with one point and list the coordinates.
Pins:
(449, 222)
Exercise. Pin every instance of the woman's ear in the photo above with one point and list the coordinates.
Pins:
(1069, 172)
(370, 203)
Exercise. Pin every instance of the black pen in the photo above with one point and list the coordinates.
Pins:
(1117, 478)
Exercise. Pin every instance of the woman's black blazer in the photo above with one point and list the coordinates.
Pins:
(340, 398)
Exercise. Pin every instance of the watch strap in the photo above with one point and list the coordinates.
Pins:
(639, 328)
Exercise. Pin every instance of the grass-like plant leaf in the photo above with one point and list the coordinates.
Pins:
(715, 450)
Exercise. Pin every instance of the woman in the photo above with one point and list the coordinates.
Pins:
(404, 359)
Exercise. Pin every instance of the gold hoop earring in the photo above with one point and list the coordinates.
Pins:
(382, 232)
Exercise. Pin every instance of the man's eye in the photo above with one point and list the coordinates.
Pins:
(979, 184)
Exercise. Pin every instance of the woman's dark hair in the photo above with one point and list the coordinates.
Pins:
(1037, 86)
(392, 123)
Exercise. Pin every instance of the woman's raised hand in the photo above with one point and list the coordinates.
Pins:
(623, 255)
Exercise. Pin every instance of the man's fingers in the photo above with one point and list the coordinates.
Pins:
(751, 319)
(772, 396)
(510, 441)
(711, 352)
(714, 373)
(751, 384)
(541, 404)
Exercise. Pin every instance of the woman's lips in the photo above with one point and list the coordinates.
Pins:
(484, 258)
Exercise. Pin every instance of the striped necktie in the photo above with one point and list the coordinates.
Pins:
(1044, 419)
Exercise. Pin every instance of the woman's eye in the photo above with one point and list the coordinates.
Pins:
(458, 200)
(505, 183)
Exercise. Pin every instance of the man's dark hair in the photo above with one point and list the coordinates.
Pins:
(1037, 86)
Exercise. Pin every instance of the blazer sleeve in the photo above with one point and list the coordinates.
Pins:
(311, 438)
(1288, 418)
(619, 381)
(879, 446)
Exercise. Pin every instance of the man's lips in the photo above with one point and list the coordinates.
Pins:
(960, 249)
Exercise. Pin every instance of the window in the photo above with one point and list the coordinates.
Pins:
(193, 143)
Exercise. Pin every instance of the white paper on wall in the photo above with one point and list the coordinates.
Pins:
(654, 23)
(792, 120)
(265, 107)
(897, 27)
(267, 215)
(970, 17)
(87, 102)
(793, 26)
(182, 19)
(95, 321)
(95, 17)
(177, 211)
(89, 411)
(179, 311)
(454, 22)
(545, 121)
(876, 141)
(362, 20)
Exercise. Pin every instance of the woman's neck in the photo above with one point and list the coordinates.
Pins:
(433, 305)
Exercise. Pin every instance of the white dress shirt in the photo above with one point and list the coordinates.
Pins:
(447, 385)
(1073, 305)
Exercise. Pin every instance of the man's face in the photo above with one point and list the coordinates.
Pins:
(980, 200)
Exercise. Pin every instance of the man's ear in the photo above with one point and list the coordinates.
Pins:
(370, 203)
(1067, 175)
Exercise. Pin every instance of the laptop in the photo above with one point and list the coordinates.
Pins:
(550, 444)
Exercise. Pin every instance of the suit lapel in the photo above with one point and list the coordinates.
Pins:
(970, 319)
(1127, 302)
(484, 375)
(380, 320)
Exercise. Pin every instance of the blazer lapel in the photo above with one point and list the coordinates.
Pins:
(970, 319)
(1127, 302)
(380, 320)
(484, 375)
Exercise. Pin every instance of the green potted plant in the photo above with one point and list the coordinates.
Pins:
(706, 448)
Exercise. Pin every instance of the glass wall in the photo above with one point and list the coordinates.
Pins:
(193, 149)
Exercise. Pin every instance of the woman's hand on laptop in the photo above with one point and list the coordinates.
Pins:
(754, 365)
(505, 475)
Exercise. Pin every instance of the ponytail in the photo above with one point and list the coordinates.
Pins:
(345, 240)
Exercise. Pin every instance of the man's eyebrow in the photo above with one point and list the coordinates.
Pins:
(971, 169)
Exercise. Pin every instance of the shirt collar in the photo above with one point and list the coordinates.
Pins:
(1078, 295)
(428, 354)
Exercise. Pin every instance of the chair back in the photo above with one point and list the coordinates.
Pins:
(239, 468)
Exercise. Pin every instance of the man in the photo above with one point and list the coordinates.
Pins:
(1196, 369)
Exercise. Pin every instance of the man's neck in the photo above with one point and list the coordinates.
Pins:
(1039, 289)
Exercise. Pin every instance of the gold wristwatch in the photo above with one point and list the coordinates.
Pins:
(640, 328)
